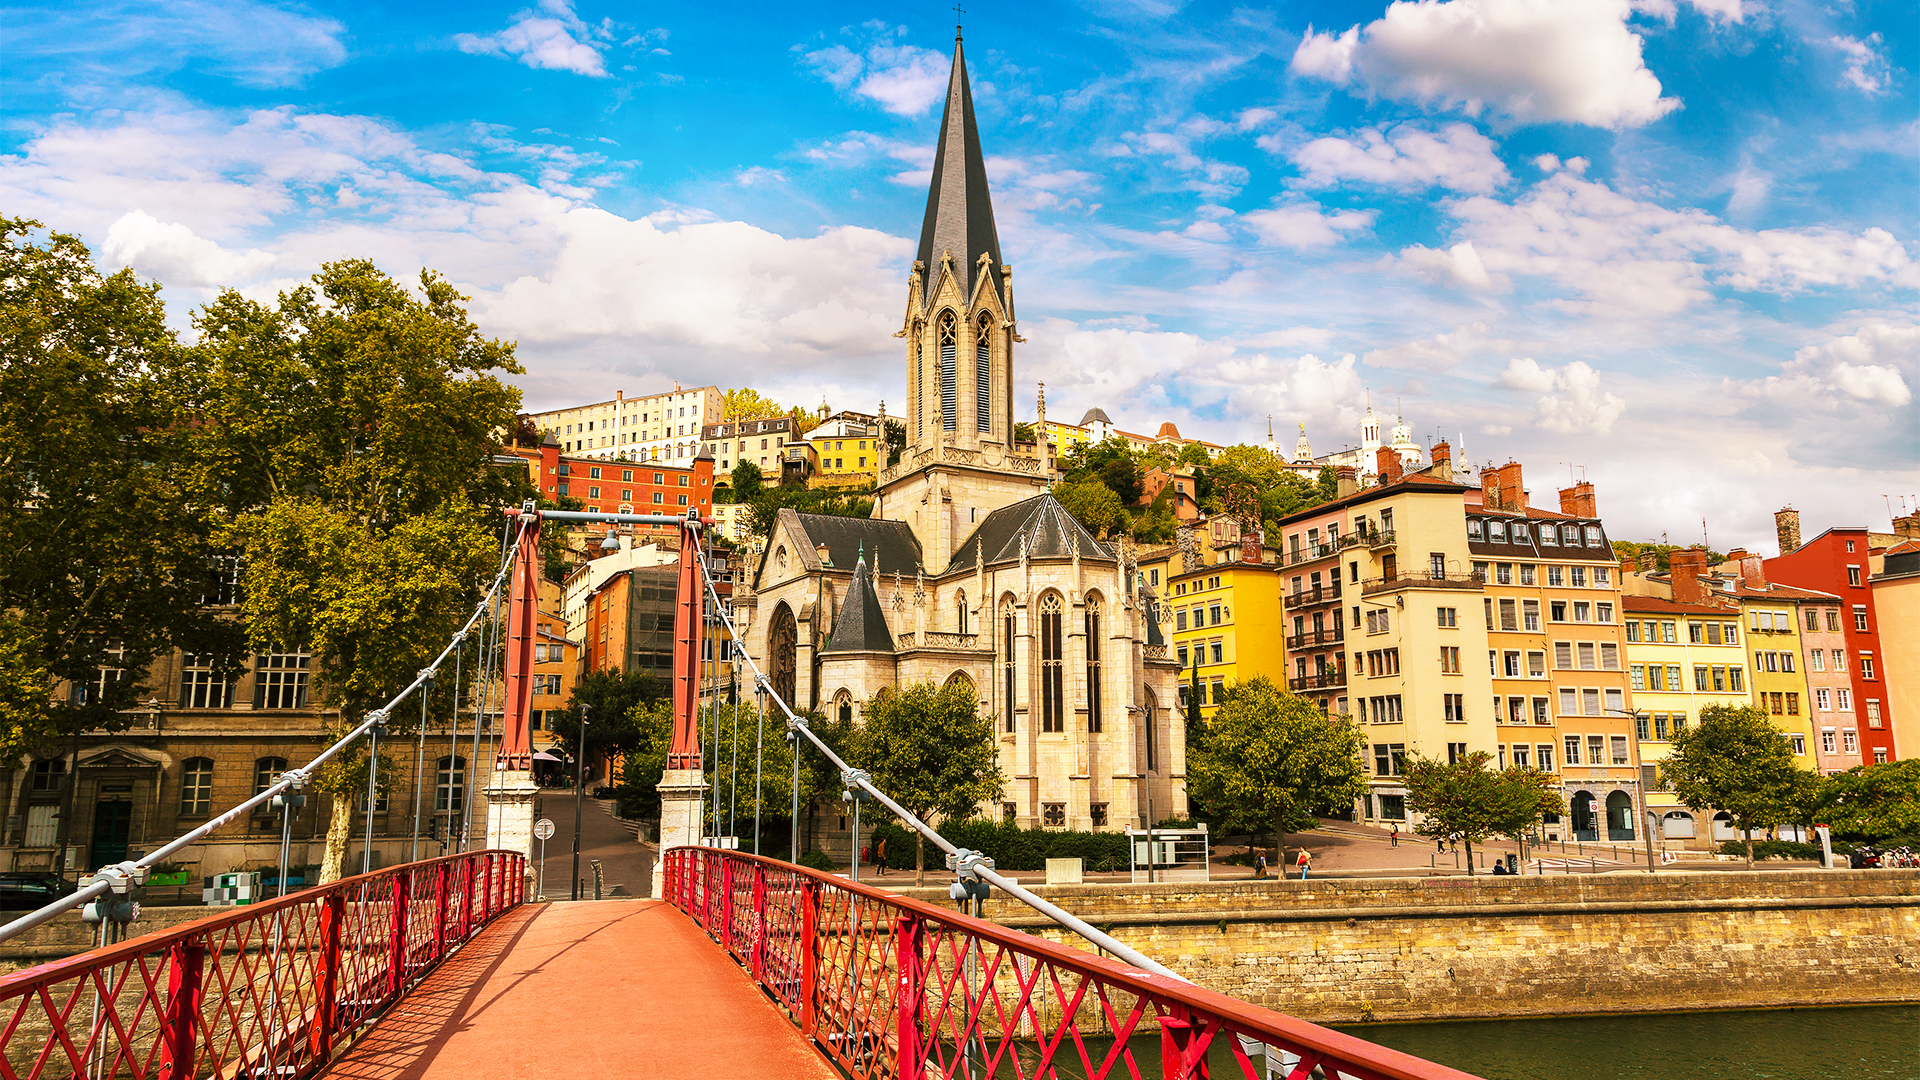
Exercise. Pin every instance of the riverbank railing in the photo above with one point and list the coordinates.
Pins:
(889, 987)
(273, 989)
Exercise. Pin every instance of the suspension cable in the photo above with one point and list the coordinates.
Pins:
(967, 863)
(121, 876)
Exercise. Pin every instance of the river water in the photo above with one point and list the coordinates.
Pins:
(1878, 1043)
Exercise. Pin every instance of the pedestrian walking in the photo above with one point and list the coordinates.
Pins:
(1304, 862)
(880, 858)
(1260, 865)
(1393, 836)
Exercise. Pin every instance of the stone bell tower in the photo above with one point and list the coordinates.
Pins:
(960, 462)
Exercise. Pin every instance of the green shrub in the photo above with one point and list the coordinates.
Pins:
(819, 860)
(1009, 846)
(1772, 849)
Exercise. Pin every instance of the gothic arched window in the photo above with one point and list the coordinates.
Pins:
(919, 382)
(1052, 674)
(1009, 634)
(843, 706)
(960, 612)
(949, 344)
(1093, 662)
(1150, 709)
(983, 373)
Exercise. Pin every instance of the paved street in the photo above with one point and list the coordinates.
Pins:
(624, 861)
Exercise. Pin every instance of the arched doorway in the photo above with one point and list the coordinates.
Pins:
(783, 640)
(1619, 816)
(1584, 825)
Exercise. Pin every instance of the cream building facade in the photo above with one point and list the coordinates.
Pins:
(655, 427)
(969, 570)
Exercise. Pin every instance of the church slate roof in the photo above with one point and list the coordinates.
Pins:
(890, 546)
(959, 210)
(1050, 532)
(861, 625)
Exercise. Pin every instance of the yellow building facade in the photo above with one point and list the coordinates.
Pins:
(846, 454)
(1681, 658)
(1226, 628)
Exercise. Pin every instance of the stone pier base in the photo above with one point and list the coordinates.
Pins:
(510, 795)
(680, 818)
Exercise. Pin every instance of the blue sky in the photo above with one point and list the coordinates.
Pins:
(1671, 243)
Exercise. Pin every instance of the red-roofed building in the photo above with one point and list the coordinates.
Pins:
(1839, 561)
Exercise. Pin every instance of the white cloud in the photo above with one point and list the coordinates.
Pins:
(905, 80)
(1458, 265)
(1870, 366)
(173, 253)
(1723, 11)
(1442, 352)
(1535, 61)
(1305, 225)
(1572, 401)
(1867, 71)
(1210, 178)
(1618, 254)
(551, 38)
(1405, 156)
(255, 44)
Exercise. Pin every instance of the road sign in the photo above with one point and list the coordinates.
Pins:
(542, 829)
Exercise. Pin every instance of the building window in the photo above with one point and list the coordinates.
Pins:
(280, 680)
(1849, 741)
(1454, 707)
(1093, 665)
(1448, 616)
(1873, 713)
(1009, 811)
(1098, 811)
(983, 373)
(222, 588)
(1053, 814)
(1456, 752)
(1006, 660)
(200, 686)
(949, 343)
(1450, 659)
(196, 787)
(449, 784)
(1853, 576)
(266, 770)
(1052, 656)
(49, 774)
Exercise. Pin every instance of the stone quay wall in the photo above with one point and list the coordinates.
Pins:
(1346, 950)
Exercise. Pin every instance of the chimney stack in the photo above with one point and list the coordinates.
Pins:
(1685, 568)
(1577, 501)
(1442, 464)
(1344, 481)
(1501, 487)
(1387, 464)
(1908, 526)
(1649, 562)
(1736, 554)
(1751, 575)
(1786, 524)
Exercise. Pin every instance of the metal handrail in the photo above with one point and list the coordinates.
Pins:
(889, 986)
(268, 989)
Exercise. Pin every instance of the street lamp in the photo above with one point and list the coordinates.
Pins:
(1647, 812)
(579, 794)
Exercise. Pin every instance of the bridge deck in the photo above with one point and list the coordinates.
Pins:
(608, 988)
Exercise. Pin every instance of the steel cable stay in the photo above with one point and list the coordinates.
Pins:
(119, 878)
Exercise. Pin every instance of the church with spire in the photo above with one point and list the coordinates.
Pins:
(969, 571)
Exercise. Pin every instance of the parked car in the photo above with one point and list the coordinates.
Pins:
(24, 892)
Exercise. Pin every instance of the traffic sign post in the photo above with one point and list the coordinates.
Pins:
(541, 830)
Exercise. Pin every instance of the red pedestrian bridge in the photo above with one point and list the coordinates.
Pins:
(750, 966)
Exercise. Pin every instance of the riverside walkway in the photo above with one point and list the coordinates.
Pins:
(596, 988)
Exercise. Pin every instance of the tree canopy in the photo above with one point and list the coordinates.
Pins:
(931, 751)
(1873, 801)
(1268, 757)
(1735, 760)
(747, 403)
(1096, 506)
(1464, 797)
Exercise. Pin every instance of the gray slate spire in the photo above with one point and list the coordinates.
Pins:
(861, 627)
(959, 210)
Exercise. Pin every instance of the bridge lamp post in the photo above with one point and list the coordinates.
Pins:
(1648, 813)
(579, 793)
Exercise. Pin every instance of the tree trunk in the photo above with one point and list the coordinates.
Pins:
(919, 858)
(1280, 844)
(1469, 845)
(339, 825)
(1748, 830)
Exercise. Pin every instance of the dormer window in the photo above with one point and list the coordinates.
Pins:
(1497, 532)
(1474, 531)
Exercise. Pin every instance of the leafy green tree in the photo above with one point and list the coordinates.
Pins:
(747, 482)
(615, 700)
(1023, 432)
(349, 430)
(1661, 552)
(1195, 455)
(747, 403)
(895, 433)
(555, 558)
(1466, 798)
(1271, 758)
(1734, 760)
(1094, 505)
(103, 515)
(1157, 525)
(1874, 801)
(1327, 488)
(932, 752)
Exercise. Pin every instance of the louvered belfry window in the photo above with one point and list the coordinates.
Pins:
(983, 374)
(949, 342)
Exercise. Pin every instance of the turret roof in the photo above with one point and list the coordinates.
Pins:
(959, 210)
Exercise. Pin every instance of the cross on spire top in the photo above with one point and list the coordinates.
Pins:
(957, 12)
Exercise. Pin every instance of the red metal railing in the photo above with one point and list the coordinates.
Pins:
(891, 987)
(268, 990)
